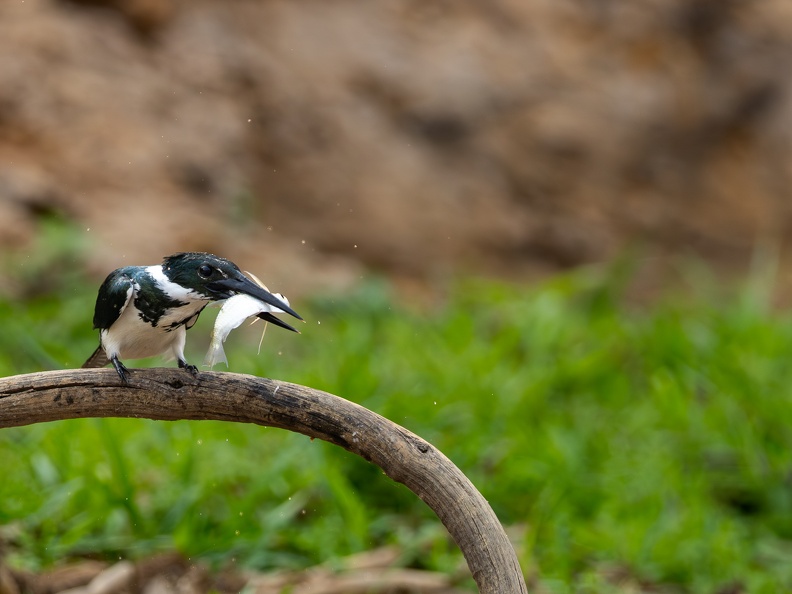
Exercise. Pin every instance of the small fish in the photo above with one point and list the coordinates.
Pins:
(236, 310)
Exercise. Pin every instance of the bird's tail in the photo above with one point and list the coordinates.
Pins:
(98, 359)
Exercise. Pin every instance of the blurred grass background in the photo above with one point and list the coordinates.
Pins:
(624, 445)
(629, 445)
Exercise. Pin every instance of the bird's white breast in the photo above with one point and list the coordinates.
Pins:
(132, 337)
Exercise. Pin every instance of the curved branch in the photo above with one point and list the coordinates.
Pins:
(172, 394)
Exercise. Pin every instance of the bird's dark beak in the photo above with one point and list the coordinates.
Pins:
(228, 287)
(272, 319)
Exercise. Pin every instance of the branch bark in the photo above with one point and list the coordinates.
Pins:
(173, 394)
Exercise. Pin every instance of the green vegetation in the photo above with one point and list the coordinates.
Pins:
(638, 444)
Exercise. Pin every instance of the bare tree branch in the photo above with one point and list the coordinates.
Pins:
(173, 394)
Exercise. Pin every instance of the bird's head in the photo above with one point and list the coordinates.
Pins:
(216, 278)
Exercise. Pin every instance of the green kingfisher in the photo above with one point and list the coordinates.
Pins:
(142, 311)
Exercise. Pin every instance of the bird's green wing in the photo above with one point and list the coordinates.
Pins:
(114, 295)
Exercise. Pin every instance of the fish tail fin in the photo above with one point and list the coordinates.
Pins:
(215, 354)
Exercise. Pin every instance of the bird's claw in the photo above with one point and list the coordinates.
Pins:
(191, 368)
(121, 369)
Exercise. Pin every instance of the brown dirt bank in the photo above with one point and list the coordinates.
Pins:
(314, 140)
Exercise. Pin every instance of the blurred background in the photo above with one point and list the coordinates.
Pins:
(314, 140)
(548, 236)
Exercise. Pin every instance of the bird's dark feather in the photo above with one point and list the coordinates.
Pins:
(98, 359)
(154, 303)
(114, 295)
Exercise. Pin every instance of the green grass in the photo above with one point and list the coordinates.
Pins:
(652, 443)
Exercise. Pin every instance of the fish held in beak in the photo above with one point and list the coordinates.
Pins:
(242, 285)
(236, 310)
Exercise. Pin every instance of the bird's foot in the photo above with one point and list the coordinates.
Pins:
(123, 372)
(191, 368)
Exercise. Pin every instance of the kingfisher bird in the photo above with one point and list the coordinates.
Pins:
(142, 311)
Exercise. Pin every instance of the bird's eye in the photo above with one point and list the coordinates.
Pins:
(205, 270)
